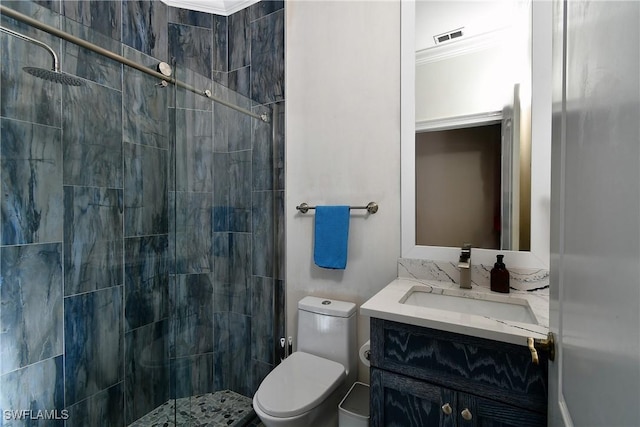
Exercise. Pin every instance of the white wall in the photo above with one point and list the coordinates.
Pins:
(342, 144)
(476, 73)
(434, 17)
(472, 83)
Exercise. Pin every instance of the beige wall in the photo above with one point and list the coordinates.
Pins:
(467, 160)
(342, 144)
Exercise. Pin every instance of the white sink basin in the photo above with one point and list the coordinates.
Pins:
(512, 309)
(442, 305)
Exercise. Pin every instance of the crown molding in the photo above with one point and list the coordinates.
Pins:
(217, 7)
(462, 46)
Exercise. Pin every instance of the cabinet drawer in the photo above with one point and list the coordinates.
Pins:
(486, 368)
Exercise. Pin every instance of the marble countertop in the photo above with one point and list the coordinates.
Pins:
(387, 305)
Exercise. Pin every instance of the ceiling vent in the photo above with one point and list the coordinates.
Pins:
(449, 35)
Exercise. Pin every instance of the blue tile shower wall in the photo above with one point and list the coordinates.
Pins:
(136, 243)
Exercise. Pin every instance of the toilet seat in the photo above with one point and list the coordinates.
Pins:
(298, 384)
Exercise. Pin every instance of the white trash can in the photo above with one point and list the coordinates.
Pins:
(353, 411)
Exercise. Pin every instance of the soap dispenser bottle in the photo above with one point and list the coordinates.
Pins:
(500, 276)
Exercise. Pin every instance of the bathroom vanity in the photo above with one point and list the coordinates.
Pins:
(437, 359)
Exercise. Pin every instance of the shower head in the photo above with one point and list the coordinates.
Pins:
(54, 76)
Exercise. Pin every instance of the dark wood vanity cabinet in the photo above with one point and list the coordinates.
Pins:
(425, 377)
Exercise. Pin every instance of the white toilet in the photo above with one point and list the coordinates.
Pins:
(306, 388)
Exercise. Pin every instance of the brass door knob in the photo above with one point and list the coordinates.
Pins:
(534, 352)
(548, 345)
(446, 408)
(466, 414)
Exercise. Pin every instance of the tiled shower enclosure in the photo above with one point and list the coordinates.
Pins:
(141, 233)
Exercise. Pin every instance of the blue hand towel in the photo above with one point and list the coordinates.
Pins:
(331, 236)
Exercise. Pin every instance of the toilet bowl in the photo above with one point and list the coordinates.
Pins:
(306, 388)
(299, 391)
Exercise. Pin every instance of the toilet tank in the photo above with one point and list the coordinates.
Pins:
(327, 328)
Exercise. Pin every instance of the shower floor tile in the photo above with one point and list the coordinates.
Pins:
(222, 408)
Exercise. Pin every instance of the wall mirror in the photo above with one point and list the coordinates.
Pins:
(467, 65)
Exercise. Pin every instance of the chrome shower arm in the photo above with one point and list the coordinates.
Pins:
(56, 63)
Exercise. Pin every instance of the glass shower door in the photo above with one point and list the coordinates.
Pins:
(211, 241)
(138, 260)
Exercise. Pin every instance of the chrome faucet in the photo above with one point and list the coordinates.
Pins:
(464, 264)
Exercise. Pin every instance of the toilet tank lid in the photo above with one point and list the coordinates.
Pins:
(327, 306)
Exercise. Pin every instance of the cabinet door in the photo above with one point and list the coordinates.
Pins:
(475, 411)
(499, 371)
(399, 401)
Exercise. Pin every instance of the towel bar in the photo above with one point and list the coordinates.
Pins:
(372, 207)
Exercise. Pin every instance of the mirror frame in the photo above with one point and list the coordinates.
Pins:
(541, 84)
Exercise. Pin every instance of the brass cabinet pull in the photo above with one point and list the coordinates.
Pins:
(548, 345)
(466, 414)
(446, 408)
